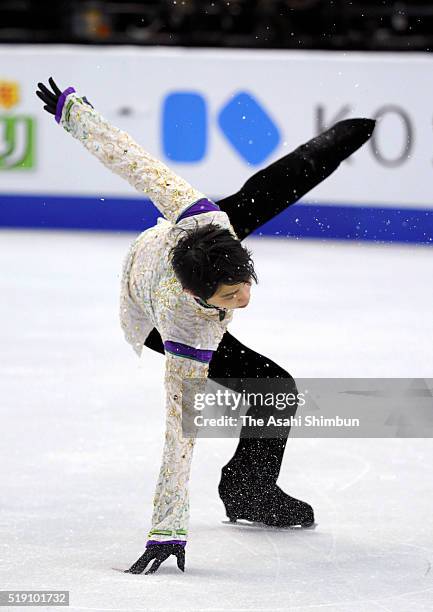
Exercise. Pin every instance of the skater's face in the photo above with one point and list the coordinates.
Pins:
(231, 296)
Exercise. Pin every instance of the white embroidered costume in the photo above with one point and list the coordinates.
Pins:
(151, 295)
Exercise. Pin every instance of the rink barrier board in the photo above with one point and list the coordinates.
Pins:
(302, 220)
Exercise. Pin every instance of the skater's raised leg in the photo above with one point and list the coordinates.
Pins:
(284, 182)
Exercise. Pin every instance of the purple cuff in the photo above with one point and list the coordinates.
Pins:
(156, 542)
(61, 102)
(184, 350)
(201, 206)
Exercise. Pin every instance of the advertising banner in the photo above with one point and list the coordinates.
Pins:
(216, 117)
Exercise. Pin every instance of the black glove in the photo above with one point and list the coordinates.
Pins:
(51, 98)
(158, 553)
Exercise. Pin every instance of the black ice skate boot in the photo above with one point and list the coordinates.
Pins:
(248, 486)
(326, 151)
(312, 162)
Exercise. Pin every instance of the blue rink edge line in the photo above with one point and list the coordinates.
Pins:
(303, 219)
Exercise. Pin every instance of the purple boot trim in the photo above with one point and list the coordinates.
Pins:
(61, 102)
(156, 542)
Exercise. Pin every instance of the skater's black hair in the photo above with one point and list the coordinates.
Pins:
(208, 256)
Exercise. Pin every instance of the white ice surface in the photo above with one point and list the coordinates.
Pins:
(82, 434)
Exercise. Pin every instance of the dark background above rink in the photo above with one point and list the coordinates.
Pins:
(302, 24)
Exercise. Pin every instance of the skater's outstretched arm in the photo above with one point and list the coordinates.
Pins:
(116, 149)
(169, 530)
(171, 504)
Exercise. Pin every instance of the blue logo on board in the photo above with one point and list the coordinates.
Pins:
(243, 121)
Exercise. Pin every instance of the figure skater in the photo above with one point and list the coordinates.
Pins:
(181, 281)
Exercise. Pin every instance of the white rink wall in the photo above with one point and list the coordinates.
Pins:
(216, 117)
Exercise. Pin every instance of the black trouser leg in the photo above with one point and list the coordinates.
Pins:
(284, 182)
(248, 486)
(256, 458)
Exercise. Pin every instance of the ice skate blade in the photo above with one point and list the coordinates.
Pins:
(125, 571)
(246, 523)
